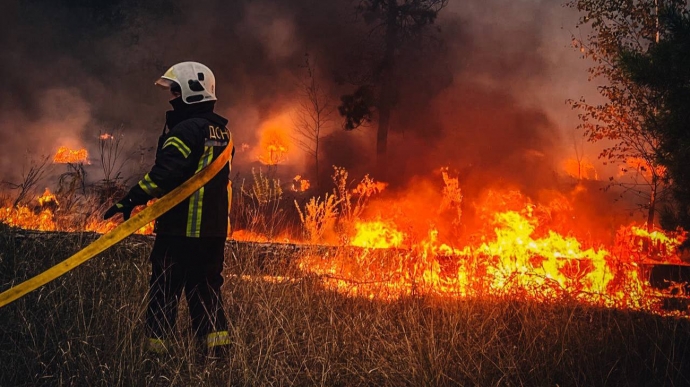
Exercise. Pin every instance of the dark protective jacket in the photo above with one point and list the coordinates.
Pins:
(194, 136)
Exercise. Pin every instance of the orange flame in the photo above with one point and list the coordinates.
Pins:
(580, 169)
(642, 167)
(48, 218)
(65, 155)
(275, 141)
(417, 243)
(299, 184)
(377, 234)
(46, 198)
(517, 250)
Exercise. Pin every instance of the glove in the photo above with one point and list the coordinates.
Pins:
(125, 206)
(135, 197)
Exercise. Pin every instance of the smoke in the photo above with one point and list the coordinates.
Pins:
(486, 101)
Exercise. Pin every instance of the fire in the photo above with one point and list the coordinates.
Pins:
(369, 187)
(518, 249)
(275, 141)
(656, 245)
(274, 153)
(378, 235)
(47, 216)
(433, 240)
(106, 137)
(65, 155)
(542, 266)
(299, 184)
(580, 169)
(47, 198)
(642, 167)
(23, 217)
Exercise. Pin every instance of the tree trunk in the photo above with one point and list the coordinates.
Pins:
(316, 161)
(387, 95)
(382, 139)
(652, 204)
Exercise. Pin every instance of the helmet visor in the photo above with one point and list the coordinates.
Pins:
(165, 83)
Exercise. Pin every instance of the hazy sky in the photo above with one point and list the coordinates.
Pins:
(503, 76)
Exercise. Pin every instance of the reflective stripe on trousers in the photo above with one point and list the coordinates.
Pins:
(215, 339)
(155, 345)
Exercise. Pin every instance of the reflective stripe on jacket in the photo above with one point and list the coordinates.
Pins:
(184, 150)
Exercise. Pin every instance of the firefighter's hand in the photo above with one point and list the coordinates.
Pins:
(124, 206)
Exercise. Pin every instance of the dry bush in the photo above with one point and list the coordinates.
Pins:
(318, 217)
(71, 186)
(353, 201)
(112, 157)
(258, 206)
(29, 179)
(452, 196)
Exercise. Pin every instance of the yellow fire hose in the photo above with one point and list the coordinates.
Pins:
(120, 232)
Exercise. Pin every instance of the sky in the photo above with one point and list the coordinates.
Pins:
(488, 101)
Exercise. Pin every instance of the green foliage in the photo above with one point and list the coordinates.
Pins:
(664, 69)
(400, 26)
(630, 108)
(357, 108)
(616, 26)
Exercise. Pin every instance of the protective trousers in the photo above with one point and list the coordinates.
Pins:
(193, 265)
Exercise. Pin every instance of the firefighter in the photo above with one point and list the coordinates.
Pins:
(188, 252)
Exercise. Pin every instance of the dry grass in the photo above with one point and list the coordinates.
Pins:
(86, 328)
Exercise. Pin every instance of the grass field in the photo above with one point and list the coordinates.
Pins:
(86, 329)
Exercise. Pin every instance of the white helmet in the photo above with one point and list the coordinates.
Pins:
(197, 82)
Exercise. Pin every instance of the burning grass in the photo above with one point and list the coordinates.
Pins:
(86, 328)
(65, 155)
(503, 244)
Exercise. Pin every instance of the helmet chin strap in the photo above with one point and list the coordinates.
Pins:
(177, 103)
(181, 111)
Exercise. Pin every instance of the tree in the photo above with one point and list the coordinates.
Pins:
(313, 116)
(398, 23)
(665, 70)
(618, 26)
